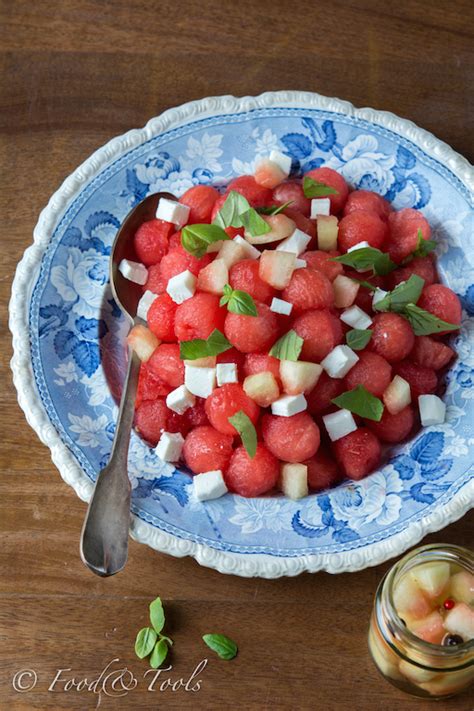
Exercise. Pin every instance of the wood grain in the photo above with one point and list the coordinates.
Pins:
(74, 74)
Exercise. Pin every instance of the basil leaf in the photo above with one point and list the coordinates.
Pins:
(358, 338)
(196, 238)
(200, 348)
(253, 223)
(157, 615)
(408, 292)
(288, 347)
(360, 402)
(367, 284)
(159, 654)
(423, 323)
(315, 189)
(145, 642)
(229, 214)
(244, 426)
(367, 258)
(222, 645)
(274, 209)
(423, 248)
(238, 302)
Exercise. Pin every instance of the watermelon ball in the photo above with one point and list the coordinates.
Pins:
(224, 402)
(323, 262)
(423, 267)
(155, 282)
(325, 390)
(251, 334)
(196, 415)
(392, 337)
(261, 363)
(150, 387)
(201, 200)
(362, 227)
(291, 439)
(358, 453)
(404, 226)
(151, 420)
(198, 316)
(393, 428)
(431, 353)
(309, 289)
(367, 201)
(206, 449)
(233, 356)
(330, 177)
(422, 381)
(151, 241)
(161, 316)
(166, 364)
(179, 260)
(177, 423)
(247, 186)
(372, 371)
(441, 301)
(323, 471)
(302, 222)
(174, 241)
(292, 191)
(321, 331)
(245, 276)
(249, 476)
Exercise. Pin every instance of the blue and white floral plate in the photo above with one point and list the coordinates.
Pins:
(68, 333)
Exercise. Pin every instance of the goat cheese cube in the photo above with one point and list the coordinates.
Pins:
(320, 206)
(226, 373)
(355, 317)
(296, 242)
(280, 306)
(144, 304)
(300, 264)
(289, 405)
(172, 211)
(250, 251)
(170, 446)
(182, 286)
(283, 161)
(359, 245)
(180, 400)
(133, 271)
(339, 361)
(339, 424)
(199, 381)
(432, 410)
(379, 294)
(209, 485)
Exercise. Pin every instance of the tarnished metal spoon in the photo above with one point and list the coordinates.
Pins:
(104, 538)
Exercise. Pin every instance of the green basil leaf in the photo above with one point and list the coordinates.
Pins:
(288, 347)
(423, 323)
(361, 402)
(229, 214)
(358, 338)
(367, 258)
(157, 615)
(159, 654)
(423, 248)
(244, 426)
(200, 348)
(408, 292)
(145, 642)
(167, 639)
(315, 189)
(274, 209)
(254, 223)
(222, 645)
(197, 238)
(367, 284)
(238, 302)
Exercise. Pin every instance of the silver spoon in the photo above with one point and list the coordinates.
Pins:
(104, 537)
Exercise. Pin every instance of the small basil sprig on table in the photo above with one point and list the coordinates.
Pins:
(361, 402)
(248, 434)
(315, 189)
(367, 258)
(237, 212)
(288, 347)
(225, 647)
(238, 302)
(201, 348)
(274, 209)
(407, 292)
(423, 248)
(358, 338)
(195, 239)
(150, 640)
(424, 323)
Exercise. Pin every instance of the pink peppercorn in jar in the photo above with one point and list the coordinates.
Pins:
(421, 634)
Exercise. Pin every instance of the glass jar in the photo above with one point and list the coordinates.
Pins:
(408, 662)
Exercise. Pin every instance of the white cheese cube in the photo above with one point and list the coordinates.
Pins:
(172, 211)
(133, 271)
(199, 381)
(180, 400)
(300, 264)
(226, 373)
(144, 304)
(339, 424)
(379, 294)
(355, 317)
(170, 446)
(182, 286)
(280, 306)
(296, 242)
(359, 245)
(320, 206)
(293, 480)
(289, 405)
(283, 161)
(250, 251)
(209, 485)
(339, 361)
(432, 410)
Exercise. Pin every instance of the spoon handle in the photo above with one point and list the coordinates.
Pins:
(104, 539)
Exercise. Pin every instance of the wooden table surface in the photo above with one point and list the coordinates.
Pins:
(73, 74)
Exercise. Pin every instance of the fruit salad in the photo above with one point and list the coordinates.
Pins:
(290, 330)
